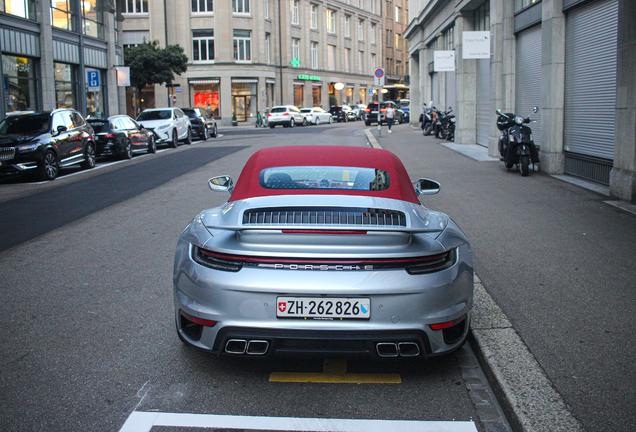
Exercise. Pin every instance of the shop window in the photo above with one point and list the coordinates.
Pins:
(95, 93)
(316, 96)
(299, 93)
(21, 8)
(207, 96)
(20, 84)
(65, 85)
(243, 100)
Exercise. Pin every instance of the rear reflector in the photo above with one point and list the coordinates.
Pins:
(199, 321)
(447, 324)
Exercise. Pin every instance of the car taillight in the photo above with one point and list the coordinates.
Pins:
(367, 110)
(447, 324)
(286, 114)
(383, 109)
(110, 135)
(269, 115)
(200, 321)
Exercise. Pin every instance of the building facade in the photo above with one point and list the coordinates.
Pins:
(246, 56)
(60, 54)
(574, 59)
(396, 50)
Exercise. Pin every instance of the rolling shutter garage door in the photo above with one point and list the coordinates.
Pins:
(528, 78)
(590, 89)
(485, 118)
(450, 91)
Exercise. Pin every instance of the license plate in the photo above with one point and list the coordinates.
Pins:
(323, 307)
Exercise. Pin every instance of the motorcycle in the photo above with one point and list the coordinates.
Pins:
(432, 125)
(445, 128)
(426, 119)
(516, 146)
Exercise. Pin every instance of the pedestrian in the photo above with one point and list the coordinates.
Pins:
(390, 113)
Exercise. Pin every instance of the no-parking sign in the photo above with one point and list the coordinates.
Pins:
(378, 77)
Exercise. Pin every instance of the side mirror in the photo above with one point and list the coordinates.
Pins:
(498, 111)
(221, 184)
(426, 187)
(61, 128)
(535, 109)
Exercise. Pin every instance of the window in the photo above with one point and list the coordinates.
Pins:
(20, 83)
(361, 61)
(62, 15)
(398, 68)
(331, 57)
(313, 17)
(314, 55)
(397, 40)
(21, 8)
(373, 33)
(522, 4)
(388, 37)
(295, 48)
(137, 6)
(331, 21)
(203, 45)
(266, 8)
(347, 26)
(373, 6)
(242, 46)
(360, 29)
(241, 6)
(295, 19)
(267, 49)
(373, 64)
(347, 60)
(449, 39)
(312, 177)
(65, 85)
(481, 17)
(92, 18)
(199, 6)
(397, 14)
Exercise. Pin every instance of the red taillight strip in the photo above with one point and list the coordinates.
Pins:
(323, 261)
(200, 321)
(447, 324)
(322, 232)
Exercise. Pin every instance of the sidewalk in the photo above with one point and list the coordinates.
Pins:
(554, 299)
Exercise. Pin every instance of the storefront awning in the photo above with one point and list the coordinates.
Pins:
(205, 81)
(245, 80)
(270, 81)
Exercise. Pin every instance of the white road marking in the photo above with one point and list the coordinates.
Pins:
(140, 421)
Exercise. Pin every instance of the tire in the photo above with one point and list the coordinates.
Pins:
(152, 146)
(292, 123)
(317, 122)
(304, 121)
(368, 123)
(428, 129)
(127, 154)
(206, 134)
(175, 139)
(49, 168)
(330, 120)
(90, 156)
(188, 139)
(272, 126)
(440, 133)
(214, 132)
(524, 162)
(508, 165)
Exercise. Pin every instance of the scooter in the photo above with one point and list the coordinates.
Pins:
(444, 130)
(426, 119)
(432, 125)
(516, 146)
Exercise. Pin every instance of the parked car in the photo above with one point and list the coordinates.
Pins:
(375, 108)
(317, 115)
(318, 251)
(121, 136)
(43, 142)
(286, 116)
(342, 113)
(170, 125)
(407, 113)
(358, 109)
(203, 123)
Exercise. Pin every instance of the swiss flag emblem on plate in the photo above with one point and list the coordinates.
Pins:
(282, 306)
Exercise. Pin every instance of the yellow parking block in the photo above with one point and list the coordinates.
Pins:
(335, 371)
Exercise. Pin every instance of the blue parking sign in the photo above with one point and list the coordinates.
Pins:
(92, 79)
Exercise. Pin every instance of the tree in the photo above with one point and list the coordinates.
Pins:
(149, 64)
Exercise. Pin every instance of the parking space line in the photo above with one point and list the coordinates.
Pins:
(140, 421)
(335, 371)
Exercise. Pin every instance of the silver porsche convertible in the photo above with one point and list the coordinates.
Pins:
(323, 251)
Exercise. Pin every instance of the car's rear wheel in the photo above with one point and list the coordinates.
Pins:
(304, 121)
(175, 139)
(89, 161)
(188, 138)
(152, 146)
(368, 123)
(214, 132)
(206, 134)
(49, 168)
(271, 126)
(330, 120)
(127, 154)
(317, 122)
(292, 123)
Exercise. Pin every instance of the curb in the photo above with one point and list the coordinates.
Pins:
(525, 393)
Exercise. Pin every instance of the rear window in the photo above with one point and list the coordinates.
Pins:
(191, 113)
(325, 177)
(279, 110)
(98, 125)
(305, 110)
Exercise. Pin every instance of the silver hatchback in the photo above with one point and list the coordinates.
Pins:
(286, 116)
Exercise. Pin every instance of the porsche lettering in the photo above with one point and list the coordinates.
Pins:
(323, 267)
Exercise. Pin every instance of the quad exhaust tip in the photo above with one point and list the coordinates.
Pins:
(400, 349)
(249, 347)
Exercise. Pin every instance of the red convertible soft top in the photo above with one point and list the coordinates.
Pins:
(248, 186)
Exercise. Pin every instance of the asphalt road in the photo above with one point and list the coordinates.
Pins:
(87, 324)
(558, 260)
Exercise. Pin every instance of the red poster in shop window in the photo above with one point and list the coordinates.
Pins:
(203, 99)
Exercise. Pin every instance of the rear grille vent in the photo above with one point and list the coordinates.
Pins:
(324, 216)
(7, 153)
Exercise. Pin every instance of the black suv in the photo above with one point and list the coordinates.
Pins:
(121, 136)
(380, 107)
(44, 142)
(203, 123)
